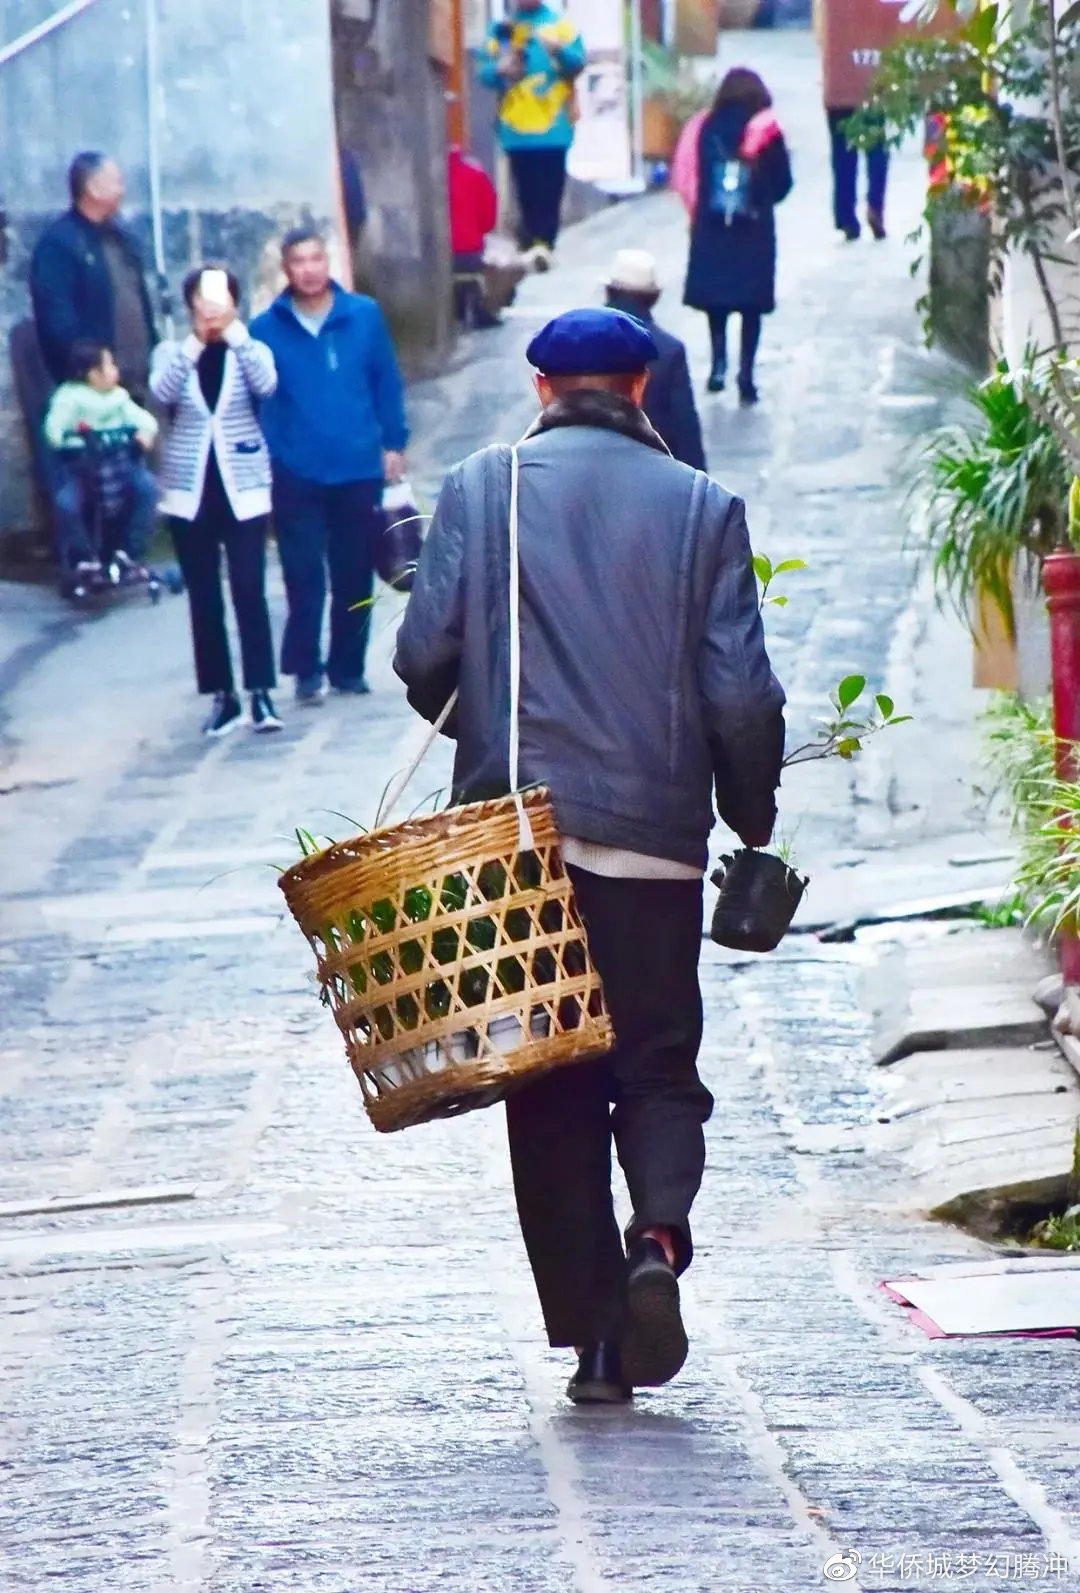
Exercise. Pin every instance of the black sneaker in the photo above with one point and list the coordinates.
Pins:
(263, 715)
(225, 715)
(357, 687)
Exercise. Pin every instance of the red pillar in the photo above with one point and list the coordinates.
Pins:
(1061, 580)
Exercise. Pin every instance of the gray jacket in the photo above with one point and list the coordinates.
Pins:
(644, 672)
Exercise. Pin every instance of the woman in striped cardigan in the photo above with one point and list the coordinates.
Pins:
(216, 491)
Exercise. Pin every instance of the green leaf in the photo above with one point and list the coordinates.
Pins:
(885, 706)
(851, 688)
(1068, 17)
(763, 568)
(981, 31)
(778, 602)
(848, 747)
(798, 564)
(902, 719)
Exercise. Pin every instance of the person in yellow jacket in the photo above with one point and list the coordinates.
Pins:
(532, 59)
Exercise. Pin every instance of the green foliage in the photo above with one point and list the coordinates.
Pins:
(1058, 1232)
(1005, 153)
(995, 489)
(846, 730)
(841, 736)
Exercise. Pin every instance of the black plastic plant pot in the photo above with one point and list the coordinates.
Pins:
(759, 895)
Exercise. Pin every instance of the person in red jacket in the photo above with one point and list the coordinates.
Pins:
(473, 213)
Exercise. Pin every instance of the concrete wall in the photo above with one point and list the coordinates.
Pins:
(245, 113)
(391, 108)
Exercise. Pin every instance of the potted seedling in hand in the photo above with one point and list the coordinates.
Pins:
(760, 892)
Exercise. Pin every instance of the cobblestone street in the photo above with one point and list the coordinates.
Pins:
(310, 1361)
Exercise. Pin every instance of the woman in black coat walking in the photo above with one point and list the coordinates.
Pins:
(743, 174)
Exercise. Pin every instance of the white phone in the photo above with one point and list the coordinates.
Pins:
(214, 290)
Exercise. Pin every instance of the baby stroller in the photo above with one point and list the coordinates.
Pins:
(104, 469)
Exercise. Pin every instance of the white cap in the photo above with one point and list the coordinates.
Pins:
(634, 271)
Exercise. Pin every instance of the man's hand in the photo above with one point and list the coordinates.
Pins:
(393, 465)
(756, 838)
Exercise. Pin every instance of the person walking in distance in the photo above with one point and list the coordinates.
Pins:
(633, 287)
(532, 60)
(743, 174)
(216, 491)
(851, 41)
(645, 687)
(337, 433)
(88, 281)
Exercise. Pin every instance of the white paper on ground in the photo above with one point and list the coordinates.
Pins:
(1011, 1302)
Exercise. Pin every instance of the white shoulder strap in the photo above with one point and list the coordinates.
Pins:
(526, 842)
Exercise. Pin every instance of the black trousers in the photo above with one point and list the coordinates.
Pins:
(645, 938)
(198, 545)
(320, 525)
(748, 344)
(539, 179)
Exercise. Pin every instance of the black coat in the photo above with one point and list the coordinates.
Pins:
(733, 264)
(669, 397)
(72, 290)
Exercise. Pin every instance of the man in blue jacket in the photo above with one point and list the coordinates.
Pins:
(531, 60)
(336, 432)
(87, 279)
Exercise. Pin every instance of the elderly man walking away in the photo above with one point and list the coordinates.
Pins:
(645, 685)
(336, 431)
(87, 278)
(634, 288)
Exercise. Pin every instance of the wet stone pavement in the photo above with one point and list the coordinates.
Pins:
(311, 1362)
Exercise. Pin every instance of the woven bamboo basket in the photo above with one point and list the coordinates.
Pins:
(455, 963)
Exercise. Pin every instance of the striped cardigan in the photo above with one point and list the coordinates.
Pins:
(232, 429)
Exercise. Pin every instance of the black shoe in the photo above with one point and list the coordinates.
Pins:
(876, 222)
(748, 393)
(717, 378)
(263, 716)
(599, 1379)
(654, 1343)
(310, 691)
(225, 715)
(357, 687)
(852, 232)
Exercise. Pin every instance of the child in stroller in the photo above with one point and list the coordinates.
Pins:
(104, 495)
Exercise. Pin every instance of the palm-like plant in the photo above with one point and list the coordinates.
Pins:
(996, 491)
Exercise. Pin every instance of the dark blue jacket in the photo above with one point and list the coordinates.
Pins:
(72, 290)
(669, 397)
(340, 399)
(644, 675)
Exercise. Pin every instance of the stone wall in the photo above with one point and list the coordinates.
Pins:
(391, 110)
(244, 107)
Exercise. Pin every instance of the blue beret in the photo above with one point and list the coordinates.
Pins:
(592, 343)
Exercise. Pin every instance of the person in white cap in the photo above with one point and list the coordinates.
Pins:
(634, 288)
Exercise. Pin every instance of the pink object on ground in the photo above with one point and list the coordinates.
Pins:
(921, 1320)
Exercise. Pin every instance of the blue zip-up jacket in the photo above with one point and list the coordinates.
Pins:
(340, 399)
